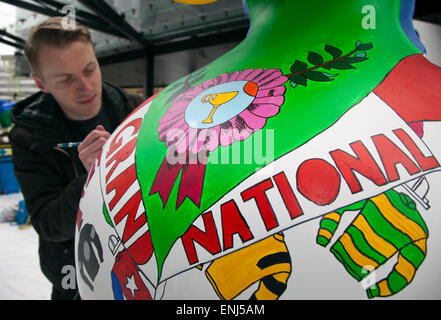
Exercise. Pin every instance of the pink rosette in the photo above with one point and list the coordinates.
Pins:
(264, 88)
(174, 130)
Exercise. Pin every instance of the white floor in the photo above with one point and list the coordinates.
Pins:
(20, 274)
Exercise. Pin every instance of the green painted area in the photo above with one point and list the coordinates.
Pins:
(107, 216)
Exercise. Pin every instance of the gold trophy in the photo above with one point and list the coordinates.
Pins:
(216, 100)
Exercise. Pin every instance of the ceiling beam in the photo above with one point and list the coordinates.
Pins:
(19, 40)
(175, 46)
(12, 44)
(113, 18)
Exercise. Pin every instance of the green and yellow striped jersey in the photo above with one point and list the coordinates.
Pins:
(386, 224)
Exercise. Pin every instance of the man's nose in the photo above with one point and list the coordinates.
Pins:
(84, 85)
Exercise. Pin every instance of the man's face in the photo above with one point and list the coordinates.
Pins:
(73, 77)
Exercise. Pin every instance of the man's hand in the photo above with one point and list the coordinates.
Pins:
(90, 147)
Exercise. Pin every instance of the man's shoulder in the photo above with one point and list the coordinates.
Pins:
(32, 116)
(123, 101)
(39, 107)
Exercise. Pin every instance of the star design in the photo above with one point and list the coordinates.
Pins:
(131, 285)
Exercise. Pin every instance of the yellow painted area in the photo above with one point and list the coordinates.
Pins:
(405, 268)
(355, 254)
(397, 219)
(333, 216)
(282, 277)
(422, 245)
(374, 240)
(384, 288)
(233, 273)
(263, 293)
(195, 1)
(325, 233)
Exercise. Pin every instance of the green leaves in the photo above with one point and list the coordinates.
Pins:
(301, 73)
(298, 66)
(315, 58)
(303, 78)
(298, 79)
(317, 76)
(335, 52)
(363, 46)
(341, 65)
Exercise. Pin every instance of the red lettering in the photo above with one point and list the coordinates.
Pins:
(120, 156)
(208, 239)
(130, 209)
(232, 223)
(288, 195)
(391, 155)
(257, 193)
(120, 184)
(363, 163)
(425, 163)
(318, 181)
(116, 143)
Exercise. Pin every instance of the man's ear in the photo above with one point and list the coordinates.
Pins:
(39, 82)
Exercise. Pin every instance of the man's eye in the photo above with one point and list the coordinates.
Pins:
(65, 80)
(90, 70)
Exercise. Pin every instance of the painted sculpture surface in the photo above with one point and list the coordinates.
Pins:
(302, 164)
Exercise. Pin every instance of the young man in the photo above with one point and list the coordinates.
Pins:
(74, 105)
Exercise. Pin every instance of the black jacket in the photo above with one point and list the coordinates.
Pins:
(52, 179)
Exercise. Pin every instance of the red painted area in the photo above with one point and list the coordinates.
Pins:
(129, 210)
(233, 223)
(425, 163)
(208, 239)
(257, 193)
(318, 181)
(288, 195)
(120, 184)
(362, 162)
(412, 89)
(391, 155)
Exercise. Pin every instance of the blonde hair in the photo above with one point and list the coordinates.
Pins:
(53, 32)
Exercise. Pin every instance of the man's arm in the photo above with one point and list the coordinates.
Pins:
(52, 205)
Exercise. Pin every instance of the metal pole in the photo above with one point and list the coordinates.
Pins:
(149, 67)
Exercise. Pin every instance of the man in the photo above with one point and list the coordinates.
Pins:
(73, 105)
